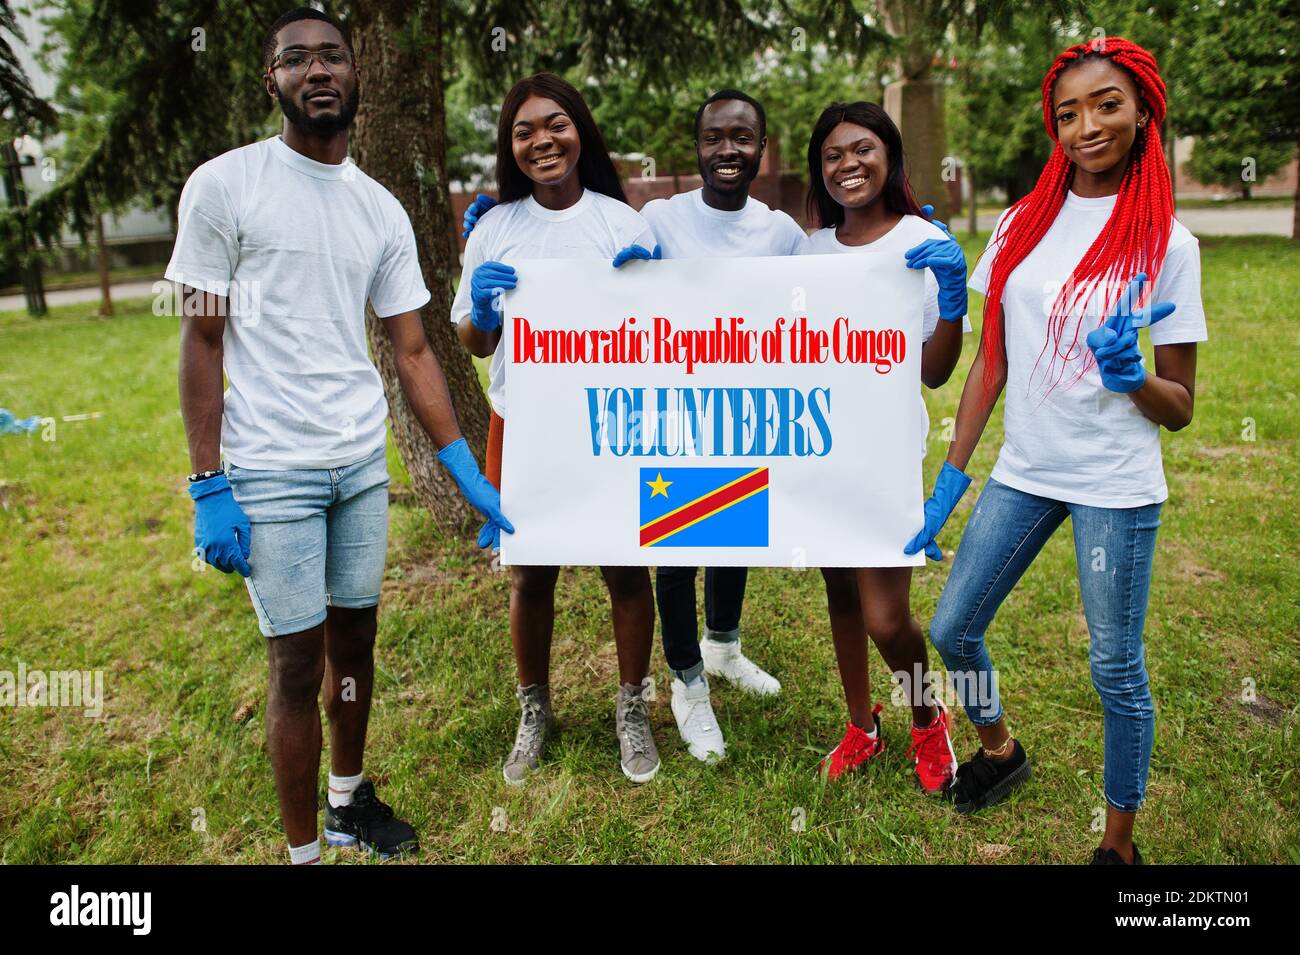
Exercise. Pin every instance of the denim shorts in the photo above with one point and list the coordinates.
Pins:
(319, 538)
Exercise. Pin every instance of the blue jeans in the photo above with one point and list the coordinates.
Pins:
(319, 539)
(1114, 548)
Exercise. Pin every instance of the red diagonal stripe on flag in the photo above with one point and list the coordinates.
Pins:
(703, 506)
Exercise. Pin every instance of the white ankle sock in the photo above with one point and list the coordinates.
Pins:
(305, 855)
(341, 787)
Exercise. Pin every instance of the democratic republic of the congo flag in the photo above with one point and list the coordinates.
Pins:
(704, 507)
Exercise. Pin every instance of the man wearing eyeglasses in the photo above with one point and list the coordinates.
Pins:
(279, 246)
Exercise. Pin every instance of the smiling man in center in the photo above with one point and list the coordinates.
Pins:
(718, 219)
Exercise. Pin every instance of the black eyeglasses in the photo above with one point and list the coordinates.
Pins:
(297, 62)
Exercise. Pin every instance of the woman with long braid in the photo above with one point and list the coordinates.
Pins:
(1069, 276)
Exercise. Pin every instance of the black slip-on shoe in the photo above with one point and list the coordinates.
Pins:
(981, 782)
(1111, 857)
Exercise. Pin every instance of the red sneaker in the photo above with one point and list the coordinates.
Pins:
(931, 751)
(854, 750)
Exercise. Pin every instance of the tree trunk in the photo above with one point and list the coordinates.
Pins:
(973, 226)
(101, 256)
(915, 99)
(916, 106)
(1295, 215)
(1170, 140)
(400, 140)
(29, 260)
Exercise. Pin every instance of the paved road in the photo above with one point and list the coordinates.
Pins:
(121, 292)
(1255, 221)
(1270, 220)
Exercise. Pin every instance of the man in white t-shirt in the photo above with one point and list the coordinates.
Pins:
(718, 219)
(279, 246)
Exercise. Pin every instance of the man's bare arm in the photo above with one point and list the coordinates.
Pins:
(421, 378)
(201, 384)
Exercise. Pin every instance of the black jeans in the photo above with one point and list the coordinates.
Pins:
(724, 593)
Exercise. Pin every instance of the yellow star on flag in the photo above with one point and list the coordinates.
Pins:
(659, 485)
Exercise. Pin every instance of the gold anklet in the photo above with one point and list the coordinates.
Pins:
(1001, 749)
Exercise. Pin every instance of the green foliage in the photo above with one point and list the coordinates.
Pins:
(471, 132)
(1238, 158)
(652, 121)
(1237, 68)
(796, 88)
(645, 67)
(186, 87)
(21, 110)
(86, 98)
(994, 103)
(501, 41)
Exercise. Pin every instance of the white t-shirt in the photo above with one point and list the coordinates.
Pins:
(687, 228)
(910, 231)
(1078, 442)
(298, 247)
(594, 227)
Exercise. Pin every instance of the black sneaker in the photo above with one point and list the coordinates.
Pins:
(981, 781)
(370, 824)
(1111, 857)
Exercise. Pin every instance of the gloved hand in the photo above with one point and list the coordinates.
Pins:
(478, 490)
(480, 205)
(637, 252)
(927, 210)
(488, 282)
(949, 486)
(221, 530)
(1115, 343)
(946, 260)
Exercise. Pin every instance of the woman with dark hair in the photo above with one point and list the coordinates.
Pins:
(560, 198)
(859, 193)
(1082, 425)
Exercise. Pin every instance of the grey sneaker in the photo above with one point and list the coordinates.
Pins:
(636, 745)
(535, 725)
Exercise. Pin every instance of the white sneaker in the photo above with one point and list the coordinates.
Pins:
(726, 660)
(696, 722)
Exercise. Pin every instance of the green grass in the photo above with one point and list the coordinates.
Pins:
(95, 573)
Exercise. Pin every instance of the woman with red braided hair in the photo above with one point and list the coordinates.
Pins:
(1068, 279)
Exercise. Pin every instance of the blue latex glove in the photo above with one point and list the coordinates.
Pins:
(946, 260)
(949, 486)
(480, 205)
(489, 281)
(478, 490)
(11, 425)
(221, 530)
(1115, 343)
(927, 210)
(637, 252)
